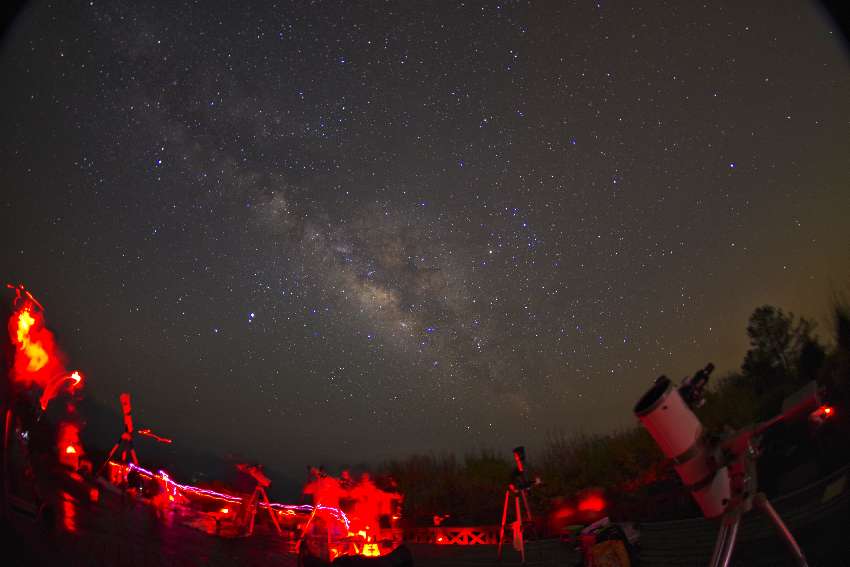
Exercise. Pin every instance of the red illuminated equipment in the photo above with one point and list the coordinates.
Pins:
(518, 488)
(370, 516)
(37, 376)
(37, 360)
(69, 446)
(248, 510)
(820, 415)
(154, 436)
(721, 474)
(124, 447)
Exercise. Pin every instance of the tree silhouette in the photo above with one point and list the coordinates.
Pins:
(777, 341)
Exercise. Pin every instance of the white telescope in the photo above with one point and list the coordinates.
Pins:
(679, 434)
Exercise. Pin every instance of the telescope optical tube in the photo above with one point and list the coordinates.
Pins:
(679, 434)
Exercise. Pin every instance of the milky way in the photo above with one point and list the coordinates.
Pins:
(347, 231)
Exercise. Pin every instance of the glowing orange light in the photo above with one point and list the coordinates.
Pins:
(25, 323)
(827, 410)
(52, 388)
(68, 444)
(225, 510)
(371, 550)
(36, 355)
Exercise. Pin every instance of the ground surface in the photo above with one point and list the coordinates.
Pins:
(114, 530)
(117, 532)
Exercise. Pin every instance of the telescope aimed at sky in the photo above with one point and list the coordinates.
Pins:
(720, 472)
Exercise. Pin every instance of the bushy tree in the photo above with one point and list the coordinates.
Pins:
(731, 403)
(777, 341)
(836, 371)
(784, 353)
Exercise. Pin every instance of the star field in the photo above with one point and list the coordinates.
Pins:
(345, 231)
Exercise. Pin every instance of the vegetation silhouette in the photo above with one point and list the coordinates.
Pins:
(784, 353)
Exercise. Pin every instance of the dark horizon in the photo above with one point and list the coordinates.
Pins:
(343, 234)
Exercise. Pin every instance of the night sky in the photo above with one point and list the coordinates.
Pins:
(343, 231)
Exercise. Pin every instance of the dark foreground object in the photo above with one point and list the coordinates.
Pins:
(117, 533)
(818, 516)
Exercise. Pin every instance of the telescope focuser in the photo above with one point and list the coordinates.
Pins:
(692, 388)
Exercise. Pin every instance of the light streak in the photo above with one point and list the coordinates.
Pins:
(336, 513)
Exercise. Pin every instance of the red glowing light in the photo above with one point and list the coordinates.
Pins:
(154, 436)
(592, 503)
(37, 360)
(821, 414)
(120, 470)
(72, 381)
(225, 510)
(69, 512)
(34, 345)
(68, 444)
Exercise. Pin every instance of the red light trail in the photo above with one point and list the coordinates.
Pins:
(335, 513)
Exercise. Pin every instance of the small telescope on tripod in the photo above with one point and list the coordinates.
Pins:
(719, 472)
(518, 488)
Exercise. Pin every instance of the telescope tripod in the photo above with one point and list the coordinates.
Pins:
(743, 473)
(125, 443)
(128, 453)
(250, 507)
(518, 537)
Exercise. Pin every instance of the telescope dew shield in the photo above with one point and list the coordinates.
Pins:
(679, 434)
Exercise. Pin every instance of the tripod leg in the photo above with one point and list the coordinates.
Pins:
(502, 526)
(306, 527)
(764, 504)
(271, 512)
(719, 544)
(731, 536)
(519, 529)
(109, 458)
(253, 518)
(133, 455)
